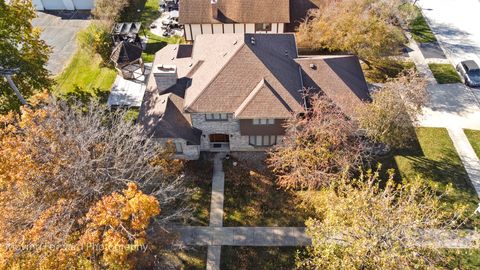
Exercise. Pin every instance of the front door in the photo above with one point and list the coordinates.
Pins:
(219, 141)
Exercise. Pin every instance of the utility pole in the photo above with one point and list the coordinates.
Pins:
(7, 73)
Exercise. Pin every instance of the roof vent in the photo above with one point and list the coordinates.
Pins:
(252, 40)
(286, 53)
(313, 66)
(235, 42)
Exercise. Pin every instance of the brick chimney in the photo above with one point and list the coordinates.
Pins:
(214, 8)
(165, 76)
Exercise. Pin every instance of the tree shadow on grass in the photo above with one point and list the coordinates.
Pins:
(85, 96)
(252, 198)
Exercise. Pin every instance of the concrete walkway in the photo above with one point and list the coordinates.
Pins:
(216, 212)
(243, 236)
(296, 236)
(467, 155)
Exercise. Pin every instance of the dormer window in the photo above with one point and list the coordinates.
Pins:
(264, 121)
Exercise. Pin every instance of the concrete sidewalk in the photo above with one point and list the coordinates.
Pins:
(467, 156)
(243, 236)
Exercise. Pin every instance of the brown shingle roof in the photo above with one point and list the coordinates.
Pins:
(255, 105)
(230, 81)
(340, 77)
(161, 117)
(235, 11)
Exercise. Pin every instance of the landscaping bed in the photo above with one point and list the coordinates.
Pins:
(252, 197)
(434, 157)
(474, 138)
(444, 73)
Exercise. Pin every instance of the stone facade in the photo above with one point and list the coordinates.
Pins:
(230, 127)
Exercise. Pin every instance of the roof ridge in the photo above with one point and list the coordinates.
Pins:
(187, 106)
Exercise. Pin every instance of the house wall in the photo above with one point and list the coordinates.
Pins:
(193, 30)
(238, 142)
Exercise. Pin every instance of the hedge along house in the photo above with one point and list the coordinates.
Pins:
(233, 92)
(233, 16)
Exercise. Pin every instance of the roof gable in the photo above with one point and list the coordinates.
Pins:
(254, 106)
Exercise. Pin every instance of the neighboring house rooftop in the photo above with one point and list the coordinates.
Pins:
(234, 11)
(248, 75)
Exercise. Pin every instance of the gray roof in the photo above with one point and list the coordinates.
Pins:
(235, 11)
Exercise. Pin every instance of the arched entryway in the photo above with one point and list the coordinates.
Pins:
(219, 142)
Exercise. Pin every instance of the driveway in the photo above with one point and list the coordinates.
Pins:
(456, 25)
(59, 30)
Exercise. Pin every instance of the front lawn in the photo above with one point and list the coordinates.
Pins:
(383, 70)
(193, 258)
(258, 258)
(434, 157)
(198, 176)
(444, 73)
(474, 138)
(252, 197)
(85, 76)
(419, 28)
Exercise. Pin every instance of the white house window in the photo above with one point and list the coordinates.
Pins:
(178, 148)
(216, 117)
(265, 140)
(264, 121)
(263, 27)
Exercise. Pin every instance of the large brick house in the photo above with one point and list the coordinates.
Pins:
(233, 92)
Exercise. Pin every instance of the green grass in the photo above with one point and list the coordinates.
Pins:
(252, 197)
(444, 73)
(419, 28)
(434, 157)
(156, 43)
(258, 258)
(474, 138)
(198, 176)
(85, 77)
(464, 259)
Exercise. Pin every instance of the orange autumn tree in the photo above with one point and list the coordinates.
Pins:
(57, 162)
(118, 223)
